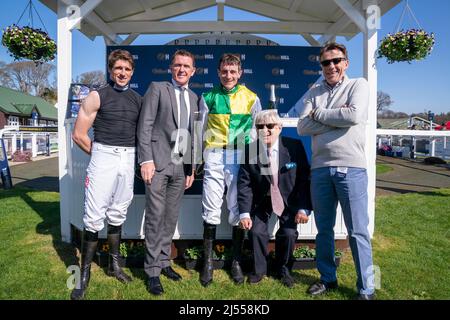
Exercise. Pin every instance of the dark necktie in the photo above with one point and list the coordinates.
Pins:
(183, 110)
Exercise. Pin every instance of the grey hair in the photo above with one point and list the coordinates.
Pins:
(268, 116)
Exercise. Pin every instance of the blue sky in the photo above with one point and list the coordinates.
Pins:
(414, 87)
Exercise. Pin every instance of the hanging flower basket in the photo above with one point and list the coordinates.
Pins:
(413, 44)
(29, 43)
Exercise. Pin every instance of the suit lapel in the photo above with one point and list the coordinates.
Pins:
(283, 175)
(264, 164)
(283, 156)
(193, 109)
(173, 102)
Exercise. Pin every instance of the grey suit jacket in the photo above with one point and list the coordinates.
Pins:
(158, 122)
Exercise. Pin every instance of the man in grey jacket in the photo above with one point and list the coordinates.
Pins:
(165, 154)
(335, 115)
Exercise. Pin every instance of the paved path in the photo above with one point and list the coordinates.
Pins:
(406, 176)
(411, 176)
(41, 174)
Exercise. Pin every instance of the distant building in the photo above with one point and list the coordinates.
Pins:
(18, 108)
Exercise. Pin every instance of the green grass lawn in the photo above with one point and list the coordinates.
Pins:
(382, 168)
(411, 247)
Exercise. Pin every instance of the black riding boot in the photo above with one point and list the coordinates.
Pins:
(88, 249)
(209, 235)
(114, 269)
(238, 243)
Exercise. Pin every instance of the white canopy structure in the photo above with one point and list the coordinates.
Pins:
(120, 22)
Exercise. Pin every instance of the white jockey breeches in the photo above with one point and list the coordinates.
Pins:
(221, 169)
(108, 186)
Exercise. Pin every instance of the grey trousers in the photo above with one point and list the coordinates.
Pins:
(162, 207)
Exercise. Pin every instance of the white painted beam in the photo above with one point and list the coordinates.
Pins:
(310, 39)
(269, 10)
(336, 28)
(220, 10)
(162, 12)
(129, 40)
(295, 5)
(97, 22)
(93, 19)
(82, 12)
(176, 27)
(352, 13)
(107, 41)
(64, 77)
(370, 45)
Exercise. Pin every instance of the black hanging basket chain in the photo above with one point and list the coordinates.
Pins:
(407, 9)
(30, 6)
(412, 44)
(28, 42)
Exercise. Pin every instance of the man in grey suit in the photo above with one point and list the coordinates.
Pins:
(165, 153)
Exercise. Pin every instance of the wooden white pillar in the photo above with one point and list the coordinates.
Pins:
(64, 70)
(370, 73)
(34, 147)
(433, 147)
(13, 144)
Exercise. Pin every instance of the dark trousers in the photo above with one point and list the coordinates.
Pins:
(284, 239)
(162, 207)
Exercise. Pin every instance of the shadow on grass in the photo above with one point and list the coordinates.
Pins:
(437, 193)
(428, 169)
(42, 183)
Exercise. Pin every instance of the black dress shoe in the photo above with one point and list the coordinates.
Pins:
(321, 287)
(171, 274)
(255, 278)
(287, 279)
(154, 286)
(362, 296)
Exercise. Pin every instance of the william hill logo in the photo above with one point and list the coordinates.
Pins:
(162, 56)
(196, 85)
(201, 71)
(278, 86)
(206, 56)
(160, 71)
(276, 57)
(313, 58)
(277, 72)
(310, 72)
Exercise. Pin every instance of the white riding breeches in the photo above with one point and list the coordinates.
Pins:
(221, 169)
(108, 186)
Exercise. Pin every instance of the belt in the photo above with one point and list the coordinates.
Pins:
(230, 146)
(101, 146)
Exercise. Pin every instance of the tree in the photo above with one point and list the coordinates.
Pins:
(28, 77)
(5, 79)
(50, 95)
(383, 101)
(92, 78)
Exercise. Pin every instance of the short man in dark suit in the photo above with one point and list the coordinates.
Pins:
(273, 179)
(165, 153)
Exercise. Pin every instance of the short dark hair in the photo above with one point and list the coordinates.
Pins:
(185, 53)
(333, 46)
(230, 59)
(119, 54)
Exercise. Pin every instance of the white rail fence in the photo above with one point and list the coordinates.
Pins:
(411, 143)
(35, 142)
